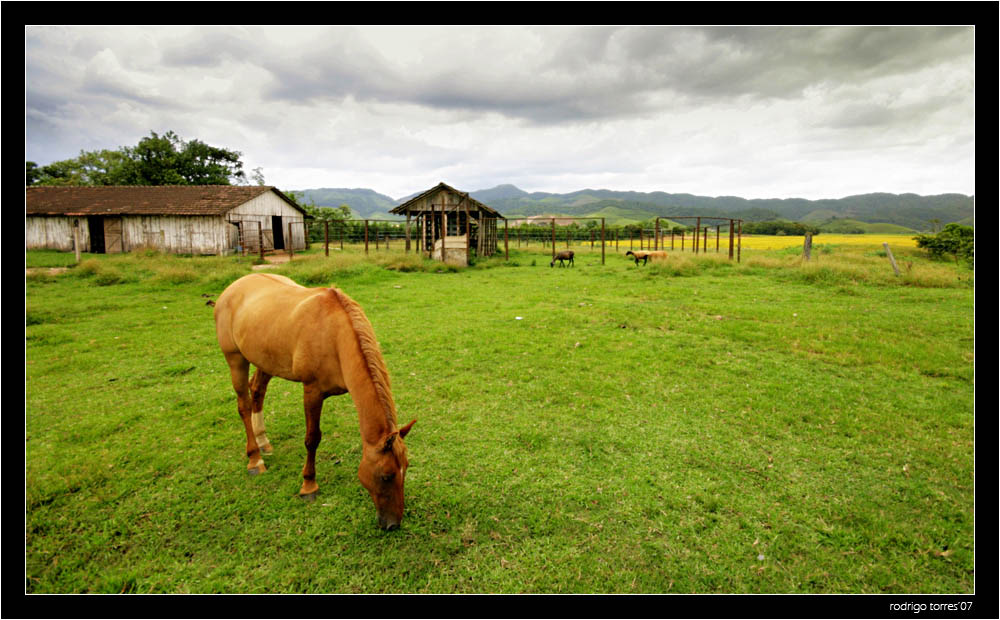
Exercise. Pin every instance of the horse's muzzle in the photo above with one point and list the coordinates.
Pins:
(388, 523)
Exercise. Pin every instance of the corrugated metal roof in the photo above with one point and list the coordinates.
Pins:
(142, 199)
(401, 209)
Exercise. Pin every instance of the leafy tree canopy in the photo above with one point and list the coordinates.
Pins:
(955, 239)
(155, 160)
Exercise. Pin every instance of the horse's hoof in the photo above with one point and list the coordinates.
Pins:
(253, 471)
(308, 497)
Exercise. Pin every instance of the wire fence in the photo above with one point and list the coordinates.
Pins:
(550, 234)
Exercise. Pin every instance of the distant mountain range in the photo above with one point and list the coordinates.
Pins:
(910, 212)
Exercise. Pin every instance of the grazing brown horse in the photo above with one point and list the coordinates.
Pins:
(321, 338)
(646, 255)
(561, 256)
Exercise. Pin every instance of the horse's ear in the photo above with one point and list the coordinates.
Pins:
(387, 446)
(406, 429)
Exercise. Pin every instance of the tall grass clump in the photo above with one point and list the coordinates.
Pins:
(104, 273)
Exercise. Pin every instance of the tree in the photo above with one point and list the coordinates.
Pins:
(31, 173)
(155, 160)
(169, 160)
(955, 239)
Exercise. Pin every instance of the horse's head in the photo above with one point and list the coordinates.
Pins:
(382, 471)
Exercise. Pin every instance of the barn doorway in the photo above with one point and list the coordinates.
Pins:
(96, 225)
(106, 236)
(278, 231)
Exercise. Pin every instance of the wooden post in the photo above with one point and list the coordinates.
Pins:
(468, 235)
(553, 238)
(697, 233)
(76, 239)
(444, 231)
(718, 228)
(732, 232)
(506, 250)
(656, 246)
(366, 236)
(739, 243)
(260, 239)
(807, 246)
(289, 243)
(892, 259)
(326, 237)
(602, 240)
(407, 230)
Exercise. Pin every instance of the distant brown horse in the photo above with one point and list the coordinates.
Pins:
(646, 255)
(562, 256)
(321, 338)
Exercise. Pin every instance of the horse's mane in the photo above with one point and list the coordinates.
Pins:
(371, 352)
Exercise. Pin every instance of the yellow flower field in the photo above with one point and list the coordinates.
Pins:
(771, 242)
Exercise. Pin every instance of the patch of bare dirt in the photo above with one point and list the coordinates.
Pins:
(50, 270)
(273, 259)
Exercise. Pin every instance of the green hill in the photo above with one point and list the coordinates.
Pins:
(849, 226)
(909, 211)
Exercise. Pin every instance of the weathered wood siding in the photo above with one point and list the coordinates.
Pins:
(178, 234)
(451, 200)
(53, 232)
(192, 234)
(262, 208)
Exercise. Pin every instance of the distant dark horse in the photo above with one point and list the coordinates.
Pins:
(646, 255)
(561, 256)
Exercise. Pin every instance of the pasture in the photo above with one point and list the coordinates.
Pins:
(697, 425)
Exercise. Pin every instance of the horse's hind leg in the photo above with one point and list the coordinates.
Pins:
(239, 370)
(258, 388)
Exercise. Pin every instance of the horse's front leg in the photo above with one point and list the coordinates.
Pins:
(313, 398)
(239, 369)
(258, 388)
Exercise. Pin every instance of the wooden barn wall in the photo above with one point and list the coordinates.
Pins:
(263, 207)
(179, 234)
(190, 234)
(169, 233)
(53, 232)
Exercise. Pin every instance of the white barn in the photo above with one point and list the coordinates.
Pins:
(182, 219)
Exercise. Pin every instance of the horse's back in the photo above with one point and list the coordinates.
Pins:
(263, 317)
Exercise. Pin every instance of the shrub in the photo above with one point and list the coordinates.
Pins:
(957, 240)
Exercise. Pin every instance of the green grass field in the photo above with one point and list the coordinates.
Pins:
(772, 426)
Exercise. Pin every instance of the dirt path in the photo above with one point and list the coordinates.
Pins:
(274, 259)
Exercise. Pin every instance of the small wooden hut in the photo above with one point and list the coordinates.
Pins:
(452, 224)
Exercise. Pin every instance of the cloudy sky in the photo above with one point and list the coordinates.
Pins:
(755, 112)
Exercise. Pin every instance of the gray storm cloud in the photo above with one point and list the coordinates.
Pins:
(464, 101)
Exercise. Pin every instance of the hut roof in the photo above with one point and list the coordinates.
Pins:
(143, 199)
(401, 209)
